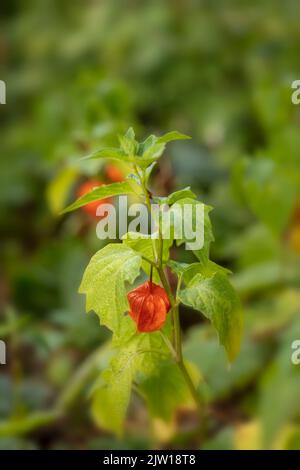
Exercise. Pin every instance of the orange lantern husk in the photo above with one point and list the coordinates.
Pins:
(149, 305)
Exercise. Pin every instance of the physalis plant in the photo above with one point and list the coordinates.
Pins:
(144, 319)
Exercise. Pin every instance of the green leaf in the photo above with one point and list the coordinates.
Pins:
(216, 299)
(148, 172)
(150, 155)
(110, 400)
(166, 390)
(137, 360)
(203, 253)
(102, 192)
(176, 196)
(104, 285)
(128, 143)
(171, 228)
(178, 267)
(188, 271)
(109, 152)
(130, 134)
(173, 135)
(143, 154)
(149, 142)
(149, 151)
(208, 269)
(128, 146)
(143, 244)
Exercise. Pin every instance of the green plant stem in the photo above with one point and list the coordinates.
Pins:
(191, 386)
(178, 342)
(178, 356)
(169, 345)
(149, 261)
(177, 330)
(148, 204)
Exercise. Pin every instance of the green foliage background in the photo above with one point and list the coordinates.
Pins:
(78, 73)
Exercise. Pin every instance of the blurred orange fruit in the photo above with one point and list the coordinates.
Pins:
(85, 188)
(113, 173)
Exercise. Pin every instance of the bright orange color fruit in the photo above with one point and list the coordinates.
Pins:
(149, 305)
(91, 207)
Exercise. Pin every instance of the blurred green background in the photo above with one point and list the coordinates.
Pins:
(77, 74)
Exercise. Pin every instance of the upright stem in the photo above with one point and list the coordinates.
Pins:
(178, 356)
(151, 275)
(177, 328)
(178, 343)
(191, 387)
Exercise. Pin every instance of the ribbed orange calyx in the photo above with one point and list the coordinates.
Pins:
(149, 305)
